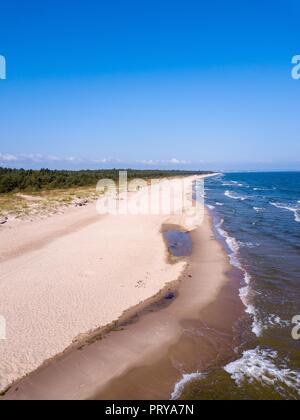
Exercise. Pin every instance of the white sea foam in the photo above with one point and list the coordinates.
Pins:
(232, 244)
(210, 207)
(273, 320)
(258, 209)
(263, 366)
(245, 296)
(295, 210)
(248, 244)
(219, 204)
(247, 278)
(257, 324)
(179, 387)
(234, 196)
(233, 184)
(245, 292)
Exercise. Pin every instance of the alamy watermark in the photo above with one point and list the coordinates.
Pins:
(296, 68)
(2, 68)
(2, 328)
(296, 329)
(166, 197)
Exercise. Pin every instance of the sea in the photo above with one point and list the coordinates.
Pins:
(256, 216)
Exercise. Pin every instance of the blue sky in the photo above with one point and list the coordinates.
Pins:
(176, 84)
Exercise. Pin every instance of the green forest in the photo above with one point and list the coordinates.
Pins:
(15, 180)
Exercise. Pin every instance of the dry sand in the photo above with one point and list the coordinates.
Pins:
(64, 277)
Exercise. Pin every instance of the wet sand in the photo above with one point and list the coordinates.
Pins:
(203, 321)
(150, 349)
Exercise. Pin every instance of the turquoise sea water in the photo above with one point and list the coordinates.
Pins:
(257, 218)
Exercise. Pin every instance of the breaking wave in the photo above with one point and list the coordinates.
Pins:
(264, 366)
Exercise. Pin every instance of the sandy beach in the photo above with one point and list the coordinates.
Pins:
(136, 359)
(65, 277)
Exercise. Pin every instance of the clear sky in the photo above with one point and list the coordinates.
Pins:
(177, 84)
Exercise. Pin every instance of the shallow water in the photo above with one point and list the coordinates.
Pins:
(179, 243)
(257, 216)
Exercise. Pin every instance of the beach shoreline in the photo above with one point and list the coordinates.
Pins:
(199, 333)
(92, 342)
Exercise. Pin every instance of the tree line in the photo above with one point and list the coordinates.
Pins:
(15, 180)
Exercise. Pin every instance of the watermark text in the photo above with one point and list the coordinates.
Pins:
(2, 328)
(296, 68)
(179, 196)
(2, 68)
(296, 329)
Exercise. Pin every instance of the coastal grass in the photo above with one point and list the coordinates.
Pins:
(12, 204)
(20, 205)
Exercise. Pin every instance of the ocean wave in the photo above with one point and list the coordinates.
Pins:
(263, 323)
(186, 378)
(275, 321)
(233, 184)
(219, 204)
(248, 244)
(245, 292)
(257, 325)
(232, 244)
(234, 196)
(260, 323)
(210, 207)
(295, 210)
(258, 209)
(230, 183)
(263, 366)
(263, 189)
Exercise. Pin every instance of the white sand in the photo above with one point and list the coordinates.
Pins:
(71, 274)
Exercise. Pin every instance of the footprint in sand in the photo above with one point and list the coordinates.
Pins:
(143, 283)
